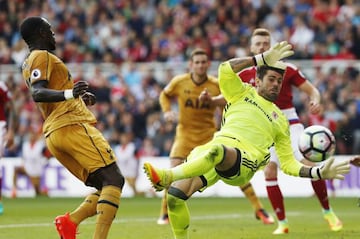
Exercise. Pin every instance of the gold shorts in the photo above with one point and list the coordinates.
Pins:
(81, 148)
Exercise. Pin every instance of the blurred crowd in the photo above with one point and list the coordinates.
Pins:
(144, 31)
(168, 30)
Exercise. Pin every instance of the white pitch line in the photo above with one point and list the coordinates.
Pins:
(131, 220)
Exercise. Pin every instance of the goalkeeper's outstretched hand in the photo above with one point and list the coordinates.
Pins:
(336, 170)
(275, 53)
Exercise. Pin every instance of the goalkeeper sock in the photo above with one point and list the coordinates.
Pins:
(179, 216)
(320, 190)
(200, 161)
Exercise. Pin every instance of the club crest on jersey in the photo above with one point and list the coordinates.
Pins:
(275, 115)
(35, 74)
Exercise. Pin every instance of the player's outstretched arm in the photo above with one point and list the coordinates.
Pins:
(329, 170)
(274, 54)
(270, 57)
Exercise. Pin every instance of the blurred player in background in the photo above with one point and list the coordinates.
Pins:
(70, 131)
(33, 161)
(241, 147)
(125, 152)
(259, 43)
(7, 126)
(196, 120)
(356, 162)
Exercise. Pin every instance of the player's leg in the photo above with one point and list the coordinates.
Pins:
(20, 170)
(164, 217)
(107, 178)
(86, 209)
(88, 151)
(178, 211)
(320, 189)
(260, 212)
(2, 143)
(212, 155)
(275, 195)
(201, 160)
(109, 199)
(35, 181)
(272, 187)
(319, 186)
(1, 204)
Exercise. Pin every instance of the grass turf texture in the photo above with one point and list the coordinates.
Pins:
(211, 218)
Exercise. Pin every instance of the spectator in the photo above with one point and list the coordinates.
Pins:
(33, 161)
(147, 149)
(125, 151)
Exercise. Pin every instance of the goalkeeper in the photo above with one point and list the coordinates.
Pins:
(241, 147)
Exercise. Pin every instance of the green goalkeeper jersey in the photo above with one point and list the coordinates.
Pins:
(255, 121)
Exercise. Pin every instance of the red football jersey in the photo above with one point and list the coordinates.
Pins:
(5, 96)
(293, 77)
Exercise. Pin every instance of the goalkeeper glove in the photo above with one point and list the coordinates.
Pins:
(274, 54)
(330, 170)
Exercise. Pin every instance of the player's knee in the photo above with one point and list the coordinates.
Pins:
(234, 170)
(270, 170)
(217, 153)
(174, 195)
(109, 175)
(117, 179)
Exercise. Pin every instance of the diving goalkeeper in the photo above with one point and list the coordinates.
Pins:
(251, 125)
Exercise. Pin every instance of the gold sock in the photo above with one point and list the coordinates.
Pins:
(107, 207)
(86, 209)
(164, 210)
(250, 194)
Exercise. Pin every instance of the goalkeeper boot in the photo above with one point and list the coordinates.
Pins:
(334, 222)
(159, 178)
(265, 217)
(65, 227)
(283, 228)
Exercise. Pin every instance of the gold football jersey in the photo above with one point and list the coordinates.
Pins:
(196, 121)
(43, 65)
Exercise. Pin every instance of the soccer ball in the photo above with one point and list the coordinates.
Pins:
(317, 143)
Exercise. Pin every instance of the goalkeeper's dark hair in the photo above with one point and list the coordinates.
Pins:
(262, 70)
(30, 29)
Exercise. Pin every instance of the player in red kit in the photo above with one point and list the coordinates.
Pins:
(7, 124)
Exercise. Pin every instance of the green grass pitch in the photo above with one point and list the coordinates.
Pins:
(218, 218)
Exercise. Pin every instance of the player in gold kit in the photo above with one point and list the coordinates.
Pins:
(196, 121)
(69, 130)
